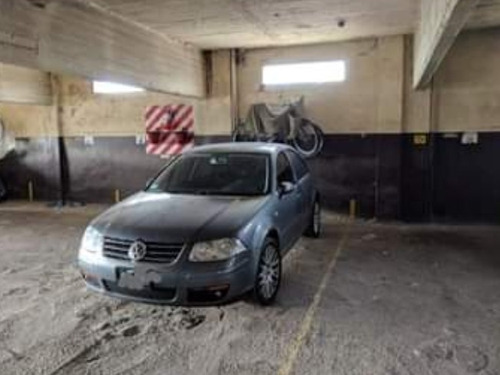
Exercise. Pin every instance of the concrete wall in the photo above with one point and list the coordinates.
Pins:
(21, 85)
(369, 101)
(378, 96)
(467, 87)
(85, 113)
(115, 160)
(214, 114)
(444, 178)
(416, 104)
(359, 116)
(465, 92)
(370, 120)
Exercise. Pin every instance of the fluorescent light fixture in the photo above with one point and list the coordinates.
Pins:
(102, 87)
(313, 72)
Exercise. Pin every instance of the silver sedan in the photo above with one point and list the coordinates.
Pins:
(211, 226)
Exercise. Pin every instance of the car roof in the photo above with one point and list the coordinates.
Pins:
(243, 147)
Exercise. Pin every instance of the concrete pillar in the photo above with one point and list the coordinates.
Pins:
(439, 24)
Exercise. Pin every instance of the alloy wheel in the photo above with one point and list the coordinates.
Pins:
(269, 273)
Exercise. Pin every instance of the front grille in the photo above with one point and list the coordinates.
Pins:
(156, 252)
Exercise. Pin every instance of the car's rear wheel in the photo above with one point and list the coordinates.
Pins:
(268, 277)
(314, 228)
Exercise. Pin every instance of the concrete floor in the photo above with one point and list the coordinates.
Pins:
(365, 299)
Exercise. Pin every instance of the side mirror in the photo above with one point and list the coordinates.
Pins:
(285, 188)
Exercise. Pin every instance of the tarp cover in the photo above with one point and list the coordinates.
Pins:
(7, 142)
(275, 121)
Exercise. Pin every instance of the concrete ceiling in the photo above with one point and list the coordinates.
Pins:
(257, 23)
(487, 14)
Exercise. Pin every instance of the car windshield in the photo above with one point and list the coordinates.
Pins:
(215, 174)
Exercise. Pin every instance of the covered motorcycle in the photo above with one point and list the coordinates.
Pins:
(284, 123)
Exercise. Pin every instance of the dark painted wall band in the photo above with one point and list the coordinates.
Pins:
(388, 175)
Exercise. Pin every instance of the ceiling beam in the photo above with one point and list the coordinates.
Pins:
(25, 86)
(440, 23)
(77, 38)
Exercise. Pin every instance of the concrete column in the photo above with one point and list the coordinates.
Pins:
(440, 23)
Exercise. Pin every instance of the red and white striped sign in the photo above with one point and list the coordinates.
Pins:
(169, 129)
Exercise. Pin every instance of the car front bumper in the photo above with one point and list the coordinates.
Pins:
(183, 283)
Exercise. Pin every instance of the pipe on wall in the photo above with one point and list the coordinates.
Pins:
(234, 94)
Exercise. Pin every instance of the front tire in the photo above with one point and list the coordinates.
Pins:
(268, 277)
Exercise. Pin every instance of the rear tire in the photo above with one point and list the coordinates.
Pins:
(3, 191)
(268, 276)
(314, 228)
(306, 140)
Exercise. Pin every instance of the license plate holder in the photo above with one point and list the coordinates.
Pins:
(136, 279)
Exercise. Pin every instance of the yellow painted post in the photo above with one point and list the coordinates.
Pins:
(31, 194)
(118, 197)
(352, 209)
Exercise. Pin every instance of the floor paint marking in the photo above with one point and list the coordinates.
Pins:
(305, 327)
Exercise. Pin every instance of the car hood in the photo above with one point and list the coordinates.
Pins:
(162, 217)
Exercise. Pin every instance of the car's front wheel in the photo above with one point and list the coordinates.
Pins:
(268, 277)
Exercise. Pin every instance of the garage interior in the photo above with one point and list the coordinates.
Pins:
(410, 286)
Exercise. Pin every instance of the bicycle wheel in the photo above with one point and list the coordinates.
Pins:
(321, 137)
(306, 140)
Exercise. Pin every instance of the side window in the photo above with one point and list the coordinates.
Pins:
(284, 170)
(299, 165)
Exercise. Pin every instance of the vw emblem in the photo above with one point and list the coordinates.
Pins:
(137, 251)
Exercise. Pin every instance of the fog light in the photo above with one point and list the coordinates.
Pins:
(208, 294)
(91, 279)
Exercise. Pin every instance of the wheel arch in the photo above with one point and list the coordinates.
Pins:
(317, 197)
(273, 233)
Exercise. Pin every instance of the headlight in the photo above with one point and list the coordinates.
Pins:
(92, 240)
(216, 250)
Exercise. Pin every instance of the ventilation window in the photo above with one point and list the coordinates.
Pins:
(101, 87)
(303, 73)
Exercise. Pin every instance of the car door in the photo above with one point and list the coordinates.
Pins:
(304, 186)
(287, 211)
